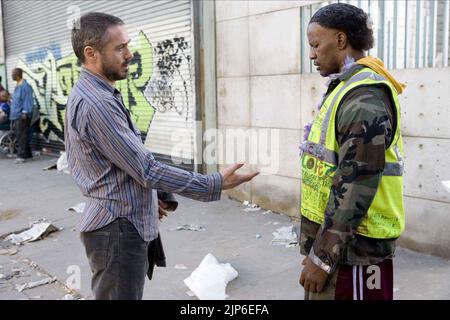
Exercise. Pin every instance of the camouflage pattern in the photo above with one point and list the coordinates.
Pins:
(364, 125)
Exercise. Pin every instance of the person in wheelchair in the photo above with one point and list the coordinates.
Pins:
(7, 136)
(4, 107)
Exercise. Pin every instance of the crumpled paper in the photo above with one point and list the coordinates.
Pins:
(36, 232)
(62, 164)
(285, 236)
(209, 280)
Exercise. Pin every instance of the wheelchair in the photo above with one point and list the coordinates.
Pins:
(8, 141)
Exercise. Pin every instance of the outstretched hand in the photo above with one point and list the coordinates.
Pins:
(232, 179)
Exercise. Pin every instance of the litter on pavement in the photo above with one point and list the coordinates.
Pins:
(9, 252)
(36, 232)
(209, 280)
(446, 185)
(285, 236)
(50, 167)
(30, 285)
(250, 207)
(189, 227)
(14, 273)
(180, 266)
(79, 208)
(62, 164)
(190, 293)
(70, 297)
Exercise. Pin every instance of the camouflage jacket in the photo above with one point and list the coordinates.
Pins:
(364, 131)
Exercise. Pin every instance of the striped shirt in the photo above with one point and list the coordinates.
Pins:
(111, 166)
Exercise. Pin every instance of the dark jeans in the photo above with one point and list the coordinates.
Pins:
(118, 258)
(22, 130)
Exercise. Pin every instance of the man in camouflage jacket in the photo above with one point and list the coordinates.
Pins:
(339, 263)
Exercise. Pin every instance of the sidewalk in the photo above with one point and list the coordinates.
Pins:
(27, 194)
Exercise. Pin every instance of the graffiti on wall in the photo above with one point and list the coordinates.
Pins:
(52, 77)
(171, 55)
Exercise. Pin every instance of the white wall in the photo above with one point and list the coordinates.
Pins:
(258, 70)
(260, 86)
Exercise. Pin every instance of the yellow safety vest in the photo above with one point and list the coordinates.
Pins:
(385, 218)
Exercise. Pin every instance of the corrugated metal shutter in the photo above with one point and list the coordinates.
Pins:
(160, 91)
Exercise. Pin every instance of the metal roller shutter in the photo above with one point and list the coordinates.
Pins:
(159, 91)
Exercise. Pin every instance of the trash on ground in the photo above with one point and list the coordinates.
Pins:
(30, 285)
(209, 280)
(2, 276)
(267, 212)
(180, 266)
(13, 252)
(190, 227)
(258, 236)
(446, 185)
(38, 221)
(271, 222)
(36, 232)
(190, 293)
(50, 167)
(285, 236)
(62, 164)
(250, 207)
(79, 208)
(396, 289)
(14, 273)
(69, 297)
(9, 252)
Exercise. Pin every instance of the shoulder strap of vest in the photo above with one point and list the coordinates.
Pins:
(369, 73)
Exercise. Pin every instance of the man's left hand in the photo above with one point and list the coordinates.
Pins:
(24, 116)
(232, 179)
(312, 278)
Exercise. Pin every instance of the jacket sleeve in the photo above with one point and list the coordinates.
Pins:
(27, 100)
(364, 130)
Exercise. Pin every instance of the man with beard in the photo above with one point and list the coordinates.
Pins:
(114, 170)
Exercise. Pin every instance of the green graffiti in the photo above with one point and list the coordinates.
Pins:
(53, 79)
(48, 94)
(132, 88)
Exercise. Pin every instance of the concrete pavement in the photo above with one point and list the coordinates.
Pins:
(27, 194)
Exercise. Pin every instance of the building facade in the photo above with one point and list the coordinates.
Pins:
(216, 82)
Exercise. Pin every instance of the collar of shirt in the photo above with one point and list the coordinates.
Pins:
(91, 76)
(347, 74)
